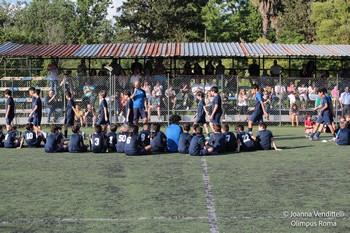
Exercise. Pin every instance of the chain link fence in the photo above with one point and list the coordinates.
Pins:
(167, 95)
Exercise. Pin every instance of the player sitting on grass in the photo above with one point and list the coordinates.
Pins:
(341, 119)
(145, 135)
(97, 141)
(309, 125)
(112, 138)
(132, 145)
(185, 139)
(76, 142)
(121, 138)
(245, 141)
(343, 136)
(32, 138)
(217, 141)
(173, 132)
(230, 139)
(347, 118)
(12, 140)
(53, 142)
(264, 138)
(2, 137)
(197, 145)
(158, 140)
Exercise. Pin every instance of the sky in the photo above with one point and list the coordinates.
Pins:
(111, 10)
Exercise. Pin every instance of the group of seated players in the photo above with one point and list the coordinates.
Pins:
(150, 140)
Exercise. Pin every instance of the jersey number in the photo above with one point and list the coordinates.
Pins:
(128, 140)
(97, 141)
(29, 136)
(228, 137)
(121, 138)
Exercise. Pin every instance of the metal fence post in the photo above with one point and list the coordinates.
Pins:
(168, 100)
(280, 102)
(337, 100)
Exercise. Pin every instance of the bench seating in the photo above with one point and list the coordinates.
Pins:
(14, 89)
(39, 78)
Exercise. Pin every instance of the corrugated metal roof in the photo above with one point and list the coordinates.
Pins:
(212, 49)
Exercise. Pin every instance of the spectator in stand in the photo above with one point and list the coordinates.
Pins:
(335, 95)
(209, 68)
(102, 79)
(187, 68)
(276, 69)
(242, 105)
(160, 70)
(90, 116)
(254, 69)
(209, 85)
(232, 72)
(136, 76)
(345, 101)
(302, 91)
(197, 87)
(52, 106)
(153, 104)
(158, 88)
(136, 65)
(67, 82)
(303, 71)
(170, 94)
(89, 97)
(345, 72)
(291, 93)
(312, 90)
(185, 94)
(147, 88)
(294, 115)
(117, 68)
(81, 72)
(53, 76)
(79, 115)
(220, 68)
(149, 71)
(197, 69)
(264, 79)
(280, 91)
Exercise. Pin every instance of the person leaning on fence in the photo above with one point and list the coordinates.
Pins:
(345, 101)
(9, 108)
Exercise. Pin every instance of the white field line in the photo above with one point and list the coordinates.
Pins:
(213, 223)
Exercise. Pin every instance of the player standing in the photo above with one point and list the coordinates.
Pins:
(259, 109)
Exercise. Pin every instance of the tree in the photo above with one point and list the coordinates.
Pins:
(231, 21)
(161, 20)
(332, 21)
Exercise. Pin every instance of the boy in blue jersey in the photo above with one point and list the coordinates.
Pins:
(76, 142)
(145, 135)
(32, 138)
(70, 113)
(103, 118)
(343, 136)
(325, 116)
(129, 109)
(31, 93)
(53, 142)
(217, 141)
(245, 141)
(216, 113)
(98, 141)
(201, 112)
(11, 139)
(2, 137)
(121, 138)
(259, 109)
(185, 139)
(264, 138)
(230, 139)
(158, 140)
(112, 138)
(9, 108)
(132, 144)
(173, 132)
(139, 97)
(197, 144)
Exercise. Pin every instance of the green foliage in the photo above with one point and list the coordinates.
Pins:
(332, 21)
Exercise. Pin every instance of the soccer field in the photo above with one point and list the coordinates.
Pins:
(304, 188)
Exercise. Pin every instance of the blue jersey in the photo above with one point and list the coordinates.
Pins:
(217, 101)
(70, 112)
(173, 133)
(51, 144)
(264, 138)
(75, 143)
(158, 143)
(343, 137)
(184, 143)
(131, 145)
(38, 112)
(98, 143)
(103, 105)
(218, 142)
(31, 139)
(33, 102)
(196, 145)
(144, 138)
(10, 103)
(200, 110)
(247, 143)
(10, 139)
(230, 142)
(326, 100)
(129, 106)
(257, 105)
(139, 99)
(111, 141)
(121, 140)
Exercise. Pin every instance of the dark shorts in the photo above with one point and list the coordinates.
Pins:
(37, 144)
(139, 112)
(37, 121)
(256, 117)
(328, 120)
(30, 120)
(9, 120)
(101, 121)
(216, 118)
(69, 120)
(200, 121)
(140, 151)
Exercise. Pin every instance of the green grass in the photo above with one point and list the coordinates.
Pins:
(250, 190)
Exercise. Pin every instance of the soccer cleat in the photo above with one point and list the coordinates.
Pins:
(315, 138)
(311, 138)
